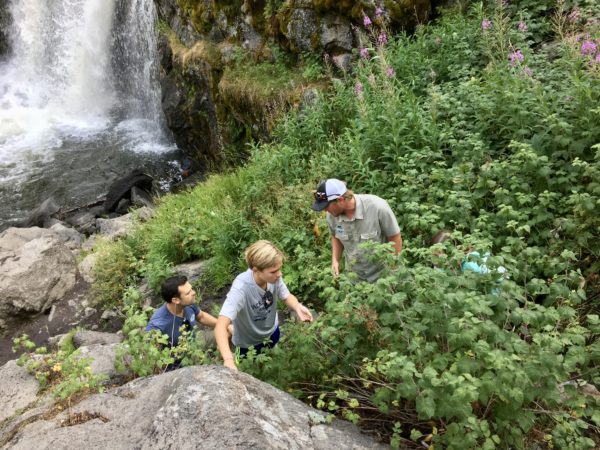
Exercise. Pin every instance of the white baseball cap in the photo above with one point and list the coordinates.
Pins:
(326, 192)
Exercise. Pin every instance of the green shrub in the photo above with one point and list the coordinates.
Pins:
(64, 373)
(114, 269)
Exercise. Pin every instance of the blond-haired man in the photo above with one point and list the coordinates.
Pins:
(251, 304)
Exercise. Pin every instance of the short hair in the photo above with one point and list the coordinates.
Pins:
(170, 287)
(348, 194)
(262, 255)
(440, 237)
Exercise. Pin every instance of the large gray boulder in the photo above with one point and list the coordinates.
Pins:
(36, 270)
(102, 361)
(115, 228)
(18, 389)
(86, 338)
(195, 407)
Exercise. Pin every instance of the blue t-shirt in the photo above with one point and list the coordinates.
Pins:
(471, 263)
(169, 324)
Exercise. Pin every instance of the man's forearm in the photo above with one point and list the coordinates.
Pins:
(336, 249)
(207, 319)
(397, 240)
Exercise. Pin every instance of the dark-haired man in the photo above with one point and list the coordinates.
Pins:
(179, 310)
(352, 220)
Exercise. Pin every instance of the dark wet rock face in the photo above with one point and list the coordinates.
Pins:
(5, 22)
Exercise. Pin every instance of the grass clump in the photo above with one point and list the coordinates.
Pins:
(260, 91)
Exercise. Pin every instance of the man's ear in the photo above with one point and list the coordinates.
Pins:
(175, 300)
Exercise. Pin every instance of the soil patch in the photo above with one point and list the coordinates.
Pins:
(66, 315)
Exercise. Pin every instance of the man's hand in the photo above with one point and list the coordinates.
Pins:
(335, 268)
(230, 363)
(304, 313)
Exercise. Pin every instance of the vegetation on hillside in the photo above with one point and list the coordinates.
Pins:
(484, 123)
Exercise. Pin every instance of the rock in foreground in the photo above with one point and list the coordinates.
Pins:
(195, 407)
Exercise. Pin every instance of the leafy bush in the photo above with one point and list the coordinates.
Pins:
(64, 372)
(115, 268)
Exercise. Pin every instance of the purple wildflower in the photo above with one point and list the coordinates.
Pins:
(378, 12)
(486, 24)
(522, 27)
(390, 72)
(515, 58)
(574, 16)
(364, 53)
(588, 48)
(527, 71)
(358, 89)
(382, 39)
(366, 21)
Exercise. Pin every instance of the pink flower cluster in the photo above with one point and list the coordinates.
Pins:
(588, 47)
(358, 89)
(516, 57)
(486, 24)
(515, 60)
(574, 15)
(591, 49)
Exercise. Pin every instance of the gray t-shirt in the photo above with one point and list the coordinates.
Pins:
(253, 320)
(373, 220)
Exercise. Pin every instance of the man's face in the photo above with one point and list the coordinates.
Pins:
(187, 295)
(270, 274)
(336, 207)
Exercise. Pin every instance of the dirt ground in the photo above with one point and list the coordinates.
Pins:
(67, 315)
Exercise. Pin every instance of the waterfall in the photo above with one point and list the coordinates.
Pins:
(77, 67)
(79, 100)
(135, 54)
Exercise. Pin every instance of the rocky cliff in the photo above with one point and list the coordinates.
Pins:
(210, 96)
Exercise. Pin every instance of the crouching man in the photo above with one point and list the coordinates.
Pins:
(179, 312)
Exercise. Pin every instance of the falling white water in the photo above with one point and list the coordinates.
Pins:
(81, 77)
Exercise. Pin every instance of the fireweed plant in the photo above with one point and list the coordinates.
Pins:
(484, 123)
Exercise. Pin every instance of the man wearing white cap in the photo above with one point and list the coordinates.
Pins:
(352, 220)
